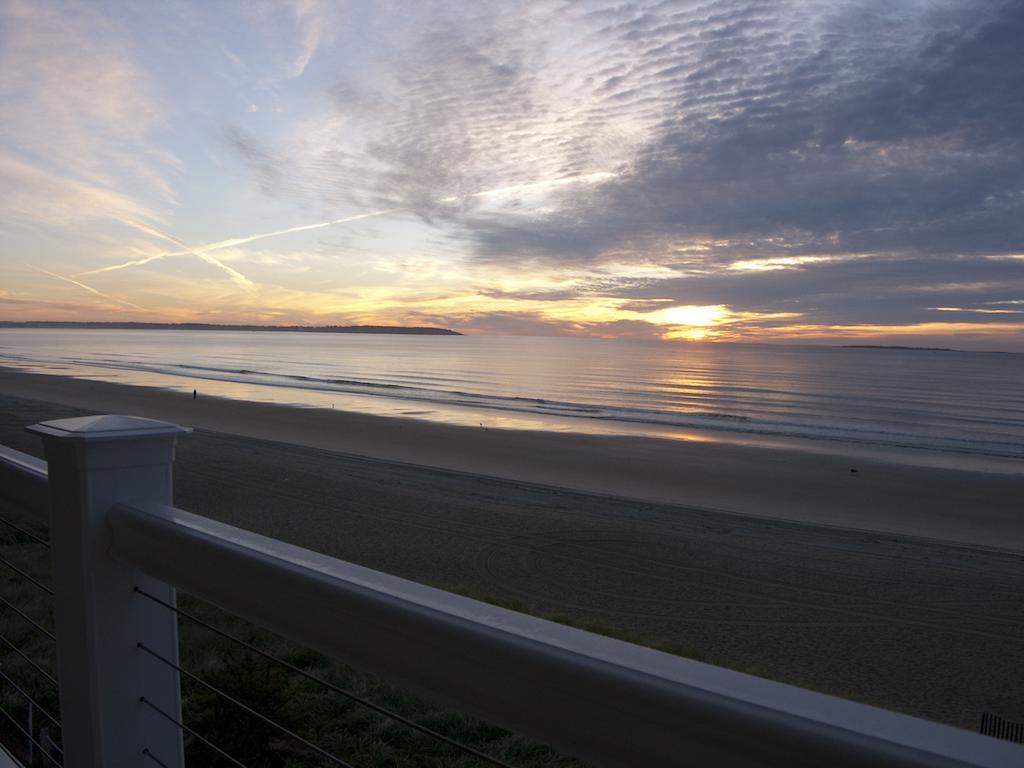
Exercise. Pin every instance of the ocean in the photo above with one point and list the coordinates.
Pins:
(964, 403)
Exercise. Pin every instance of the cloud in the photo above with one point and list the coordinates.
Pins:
(270, 170)
(85, 287)
(204, 250)
(37, 197)
(559, 166)
(885, 287)
(442, 101)
(840, 132)
(849, 127)
(77, 102)
(308, 18)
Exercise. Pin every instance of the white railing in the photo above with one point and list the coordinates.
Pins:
(105, 491)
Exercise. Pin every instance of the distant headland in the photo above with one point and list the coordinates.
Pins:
(931, 349)
(394, 329)
(897, 346)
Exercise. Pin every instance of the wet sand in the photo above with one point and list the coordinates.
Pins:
(928, 628)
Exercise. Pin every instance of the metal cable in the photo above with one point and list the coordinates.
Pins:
(38, 669)
(310, 745)
(331, 686)
(35, 703)
(22, 531)
(154, 758)
(29, 619)
(44, 752)
(190, 732)
(18, 570)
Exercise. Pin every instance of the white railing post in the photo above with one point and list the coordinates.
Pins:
(94, 463)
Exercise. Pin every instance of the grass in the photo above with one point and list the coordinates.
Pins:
(33, 559)
(335, 723)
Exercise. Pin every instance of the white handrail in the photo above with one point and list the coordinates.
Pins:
(23, 482)
(608, 702)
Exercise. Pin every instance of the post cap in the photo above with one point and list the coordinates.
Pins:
(106, 428)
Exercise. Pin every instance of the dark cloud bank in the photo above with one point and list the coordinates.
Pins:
(885, 136)
(852, 143)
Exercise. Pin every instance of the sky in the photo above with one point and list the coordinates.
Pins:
(812, 172)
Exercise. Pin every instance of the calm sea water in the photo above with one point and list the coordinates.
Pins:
(950, 402)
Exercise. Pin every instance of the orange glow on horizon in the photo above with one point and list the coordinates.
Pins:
(435, 292)
(689, 334)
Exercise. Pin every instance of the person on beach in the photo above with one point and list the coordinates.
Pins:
(193, 394)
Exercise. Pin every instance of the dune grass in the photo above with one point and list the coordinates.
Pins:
(16, 669)
(339, 725)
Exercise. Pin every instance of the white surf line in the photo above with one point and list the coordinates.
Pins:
(204, 250)
(88, 288)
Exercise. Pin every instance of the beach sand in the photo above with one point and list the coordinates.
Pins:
(630, 533)
(939, 503)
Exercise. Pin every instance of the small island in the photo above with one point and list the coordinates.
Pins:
(896, 346)
(393, 329)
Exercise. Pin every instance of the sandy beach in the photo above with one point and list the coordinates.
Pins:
(895, 585)
(972, 507)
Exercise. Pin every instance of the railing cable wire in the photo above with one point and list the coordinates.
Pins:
(37, 668)
(35, 703)
(154, 758)
(263, 718)
(22, 531)
(29, 619)
(42, 750)
(190, 732)
(331, 686)
(18, 570)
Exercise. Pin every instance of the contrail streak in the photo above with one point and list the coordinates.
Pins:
(203, 251)
(132, 263)
(88, 288)
(234, 274)
(302, 228)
